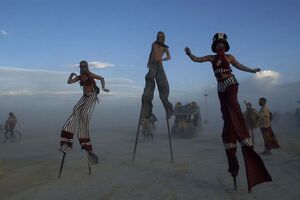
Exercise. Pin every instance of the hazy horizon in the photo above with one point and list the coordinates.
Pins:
(42, 42)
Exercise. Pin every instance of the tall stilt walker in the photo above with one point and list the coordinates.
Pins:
(156, 73)
(235, 128)
(79, 121)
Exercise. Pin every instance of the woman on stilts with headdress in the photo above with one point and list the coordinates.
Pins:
(235, 128)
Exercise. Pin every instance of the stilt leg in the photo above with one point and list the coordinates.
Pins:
(61, 165)
(170, 141)
(137, 137)
(234, 182)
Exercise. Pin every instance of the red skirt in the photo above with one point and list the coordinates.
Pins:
(270, 139)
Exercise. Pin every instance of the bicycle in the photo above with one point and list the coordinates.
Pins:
(11, 136)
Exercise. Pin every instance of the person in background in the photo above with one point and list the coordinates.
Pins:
(251, 117)
(10, 124)
(148, 128)
(269, 137)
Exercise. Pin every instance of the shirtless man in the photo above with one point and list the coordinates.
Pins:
(156, 73)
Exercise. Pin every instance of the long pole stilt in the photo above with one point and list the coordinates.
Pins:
(249, 190)
(234, 182)
(61, 165)
(137, 137)
(170, 141)
(90, 171)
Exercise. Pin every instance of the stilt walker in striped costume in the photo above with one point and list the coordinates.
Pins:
(234, 124)
(79, 121)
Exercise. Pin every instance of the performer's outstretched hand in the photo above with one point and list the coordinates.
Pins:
(105, 90)
(256, 70)
(187, 51)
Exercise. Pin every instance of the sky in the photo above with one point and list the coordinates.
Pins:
(42, 41)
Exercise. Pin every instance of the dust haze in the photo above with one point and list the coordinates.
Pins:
(200, 163)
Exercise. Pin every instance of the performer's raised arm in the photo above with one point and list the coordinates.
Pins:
(198, 59)
(95, 76)
(73, 79)
(240, 66)
(168, 57)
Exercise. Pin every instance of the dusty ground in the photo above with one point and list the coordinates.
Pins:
(28, 170)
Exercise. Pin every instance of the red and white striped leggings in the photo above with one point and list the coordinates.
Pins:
(79, 122)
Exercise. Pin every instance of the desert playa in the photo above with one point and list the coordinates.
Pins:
(29, 169)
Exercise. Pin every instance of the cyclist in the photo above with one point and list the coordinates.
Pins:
(10, 124)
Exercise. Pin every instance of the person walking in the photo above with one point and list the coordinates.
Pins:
(270, 140)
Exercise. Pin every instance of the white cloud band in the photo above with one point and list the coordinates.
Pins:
(97, 65)
(28, 82)
(3, 33)
(268, 74)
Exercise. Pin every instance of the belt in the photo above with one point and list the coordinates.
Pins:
(223, 76)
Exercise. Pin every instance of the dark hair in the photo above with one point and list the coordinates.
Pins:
(83, 63)
(263, 99)
(84, 67)
(160, 33)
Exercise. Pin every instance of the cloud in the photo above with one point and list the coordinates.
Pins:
(100, 65)
(32, 93)
(15, 69)
(119, 81)
(273, 76)
(3, 33)
(15, 93)
(97, 65)
(29, 82)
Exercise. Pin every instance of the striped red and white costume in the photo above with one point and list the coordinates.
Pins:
(79, 123)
